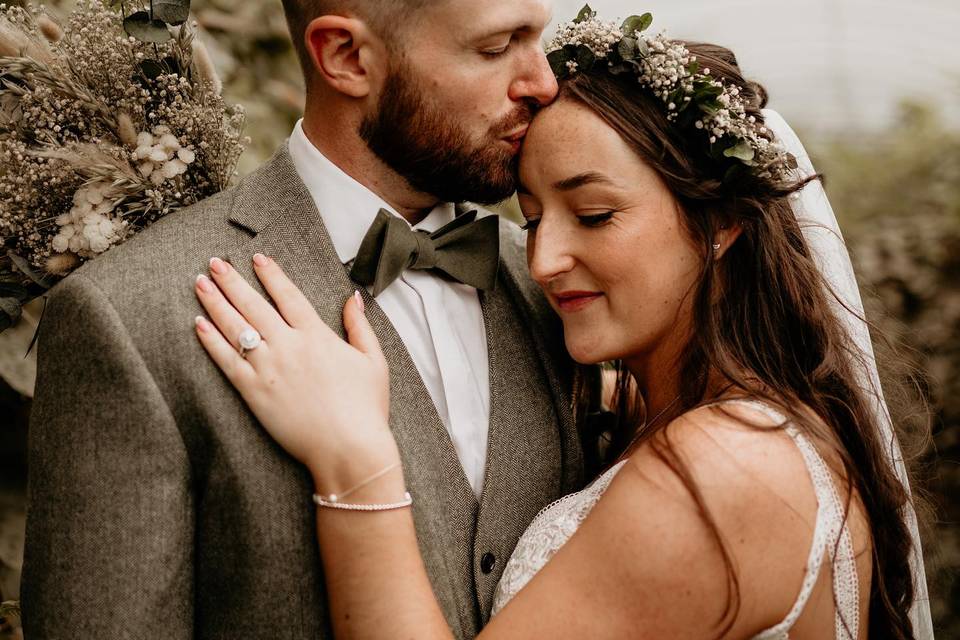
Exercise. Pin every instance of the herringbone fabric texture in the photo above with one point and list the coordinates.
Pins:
(159, 508)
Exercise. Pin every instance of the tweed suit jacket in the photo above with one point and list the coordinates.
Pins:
(160, 508)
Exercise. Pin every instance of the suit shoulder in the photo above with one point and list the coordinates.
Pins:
(177, 244)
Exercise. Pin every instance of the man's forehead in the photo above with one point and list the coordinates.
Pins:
(476, 19)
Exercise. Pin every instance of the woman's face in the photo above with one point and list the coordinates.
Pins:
(605, 239)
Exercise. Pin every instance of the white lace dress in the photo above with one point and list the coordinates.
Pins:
(557, 522)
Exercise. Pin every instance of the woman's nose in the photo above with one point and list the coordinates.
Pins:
(549, 252)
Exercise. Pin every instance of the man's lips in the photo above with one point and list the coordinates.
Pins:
(515, 139)
(517, 135)
(576, 300)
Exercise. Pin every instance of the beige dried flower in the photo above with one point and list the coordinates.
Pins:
(203, 64)
(126, 130)
(13, 42)
(60, 264)
(49, 28)
(88, 157)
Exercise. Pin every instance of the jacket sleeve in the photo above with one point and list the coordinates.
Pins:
(109, 539)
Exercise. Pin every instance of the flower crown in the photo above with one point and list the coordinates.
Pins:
(692, 96)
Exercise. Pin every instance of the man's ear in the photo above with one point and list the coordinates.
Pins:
(346, 54)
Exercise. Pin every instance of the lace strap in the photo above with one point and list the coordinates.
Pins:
(831, 536)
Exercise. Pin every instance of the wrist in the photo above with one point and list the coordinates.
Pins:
(359, 464)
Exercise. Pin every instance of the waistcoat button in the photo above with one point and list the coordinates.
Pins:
(487, 562)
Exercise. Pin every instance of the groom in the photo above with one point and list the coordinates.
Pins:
(158, 507)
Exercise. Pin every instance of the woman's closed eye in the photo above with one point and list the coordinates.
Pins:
(596, 220)
(592, 220)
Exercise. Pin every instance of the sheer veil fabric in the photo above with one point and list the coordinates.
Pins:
(822, 232)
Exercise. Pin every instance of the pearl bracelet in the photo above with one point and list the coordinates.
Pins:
(390, 506)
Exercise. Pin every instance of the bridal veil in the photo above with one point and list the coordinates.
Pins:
(823, 236)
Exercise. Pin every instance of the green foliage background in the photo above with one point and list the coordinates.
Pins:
(896, 192)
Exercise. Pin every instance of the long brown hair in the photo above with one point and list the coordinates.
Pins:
(764, 322)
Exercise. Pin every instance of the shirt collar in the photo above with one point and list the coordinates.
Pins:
(346, 207)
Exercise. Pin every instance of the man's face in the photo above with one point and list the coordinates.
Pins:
(456, 105)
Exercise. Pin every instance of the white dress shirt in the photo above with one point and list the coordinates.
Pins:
(440, 322)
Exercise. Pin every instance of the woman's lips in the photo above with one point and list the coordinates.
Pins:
(576, 300)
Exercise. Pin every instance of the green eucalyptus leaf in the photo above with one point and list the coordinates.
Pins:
(24, 267)
(151, 69)
(627, 48)
(710, 106)
(705, 90)
(643, 49)
(741, 151)
(140, 26)
(585, 58)
(14, 290)
(585, 14)
(733, 173)
(10, 312)
(558, 62)
(693, 68)
(635, 24)
(173, 12)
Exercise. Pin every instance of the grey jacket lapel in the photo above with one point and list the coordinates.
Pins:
(276, 208)
(547, 331)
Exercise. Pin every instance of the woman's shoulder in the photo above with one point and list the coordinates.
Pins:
(744, 460)
(736, 486)
(710, 521)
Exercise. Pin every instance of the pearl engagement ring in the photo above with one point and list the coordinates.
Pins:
(249, 340)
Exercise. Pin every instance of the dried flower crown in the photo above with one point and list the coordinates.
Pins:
(692, 96)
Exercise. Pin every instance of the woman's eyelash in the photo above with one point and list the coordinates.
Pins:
(595, 220)
(587, 221)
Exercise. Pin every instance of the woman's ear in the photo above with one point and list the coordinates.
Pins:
(346, 54)
(724, 238)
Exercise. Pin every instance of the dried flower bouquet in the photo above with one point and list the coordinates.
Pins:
(108, 122)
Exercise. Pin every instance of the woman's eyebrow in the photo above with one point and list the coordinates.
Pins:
(581, 179)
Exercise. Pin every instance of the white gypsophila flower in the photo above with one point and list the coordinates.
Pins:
(593, 33)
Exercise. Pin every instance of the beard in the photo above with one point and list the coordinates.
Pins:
(429, 148)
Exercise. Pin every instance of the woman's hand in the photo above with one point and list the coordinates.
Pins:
(324, 400)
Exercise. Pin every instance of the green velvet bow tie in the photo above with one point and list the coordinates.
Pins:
(466, 250)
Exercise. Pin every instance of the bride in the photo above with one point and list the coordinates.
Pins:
(754, 499)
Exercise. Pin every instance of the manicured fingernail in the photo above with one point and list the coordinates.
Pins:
(218, 266)
(260, 260)
(202, 324)
(205, 284)
(359, 299)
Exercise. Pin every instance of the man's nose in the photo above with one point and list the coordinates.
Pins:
(536, 80)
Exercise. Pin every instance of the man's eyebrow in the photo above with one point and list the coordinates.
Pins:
(505, 29)
(581, 179)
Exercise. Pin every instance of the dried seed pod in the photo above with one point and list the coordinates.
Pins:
(204, 67)
(49, 28)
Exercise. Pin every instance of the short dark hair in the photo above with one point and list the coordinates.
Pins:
(386, 17)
